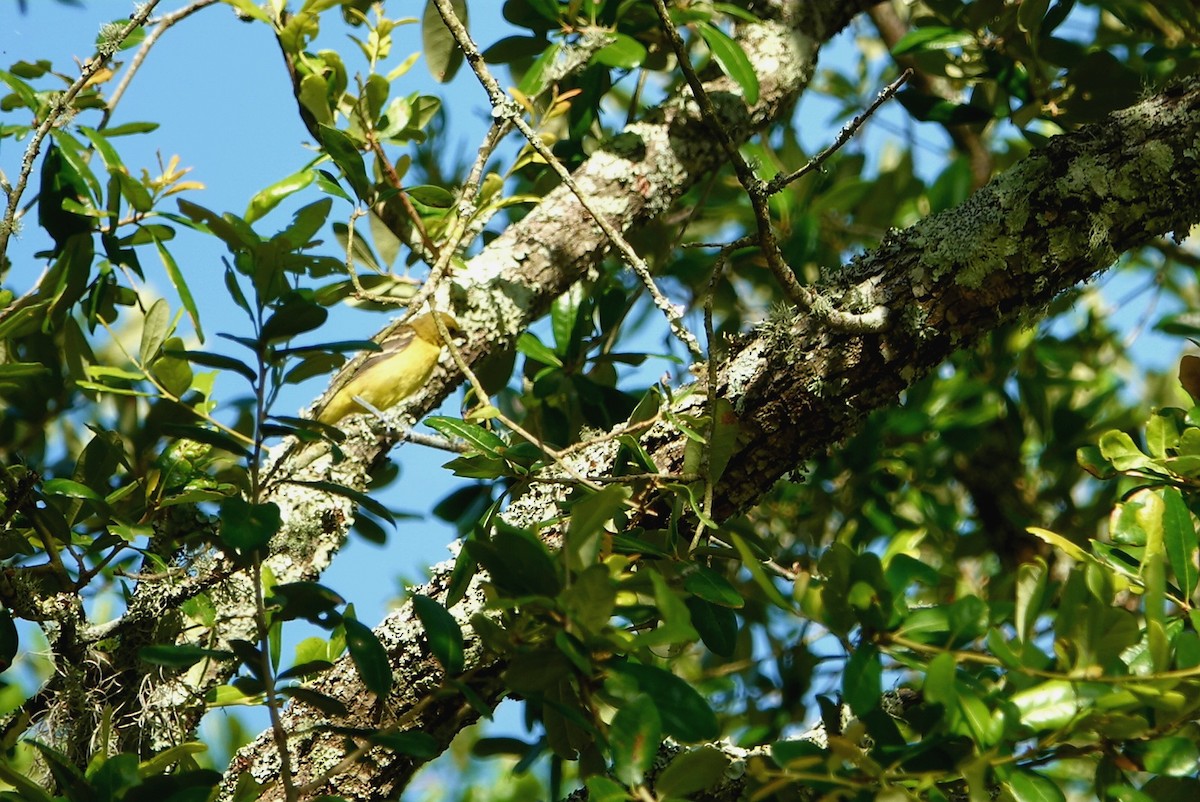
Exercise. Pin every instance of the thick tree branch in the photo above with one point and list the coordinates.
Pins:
(1058, 217)
(639, 174)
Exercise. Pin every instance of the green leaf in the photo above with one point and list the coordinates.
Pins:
(1162, 432)
(514, 48)
(624, 52)
(444, 634)
(732, 58)
(1119, 449)
(134, 192)
(9, 640)
(585, 532)
(711, 586)
(797, 754)
(1026, 786)
(70, 489)
(933, 37)
(23, 90)
(126, 129)
(442, 53)
(1171, 756)
(685, 714)
(181, 656)
(175, 375)
(482, 439)
(1032, 579)
(862, 681)
(1179, 535)
(310, 601)
(316, 700)
(602, 789)
(369, 656)
(247, 527)
(724, 439)
(297, 315)
(112, 160)
(155, 329)
(420, 745)
(529, 345)
(180, 284)
(691, 772)
(634, 737)
(251, 9)
(716, 625)
(1030, 13)
(212, 437)
(752, 563)
(936, 109)
(518, 563)
(29, 790)
(307, 669)
(209, 359)
(533, 82)
(306, 222)
(267, 199)
(134, 38)
(674, 621)
(18, 372)
(236, 237)
(374, 506)
(346, 156)
(432, 196)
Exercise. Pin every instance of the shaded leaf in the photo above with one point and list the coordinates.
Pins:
(444, 634)
(369, 657)
(442, 53)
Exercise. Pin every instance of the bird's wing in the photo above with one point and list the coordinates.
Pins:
(392, 345)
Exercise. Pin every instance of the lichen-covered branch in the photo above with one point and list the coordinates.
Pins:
(1056, 218)
(511, 283)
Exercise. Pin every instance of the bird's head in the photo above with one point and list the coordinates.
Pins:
(427, 329)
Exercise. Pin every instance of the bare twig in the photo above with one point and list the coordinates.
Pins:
(87, 71)
(468, 195)
(711, 389)
(266, 672)
(161, 25)
(807, 298)
(504, 108)
(967, 139)
(845, 135)
(436, 441)
(461, 363)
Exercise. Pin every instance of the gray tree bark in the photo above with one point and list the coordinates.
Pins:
(1060, 216)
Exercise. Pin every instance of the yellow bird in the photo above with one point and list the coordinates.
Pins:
(389, 376)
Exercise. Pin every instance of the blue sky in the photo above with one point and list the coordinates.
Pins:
(219, 89)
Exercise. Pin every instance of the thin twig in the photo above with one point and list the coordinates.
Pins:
(87, 71)
(461, 363)
(807, 298)
(436, 441)
(848, 131)
(711, 389)
(469, 194)
(161, 25)
(393, 179)
(504, 107)
(267, 674)
(624, 479)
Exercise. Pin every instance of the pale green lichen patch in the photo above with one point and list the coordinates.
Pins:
(974, 242)
(1159, 159)
(1087, 174)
